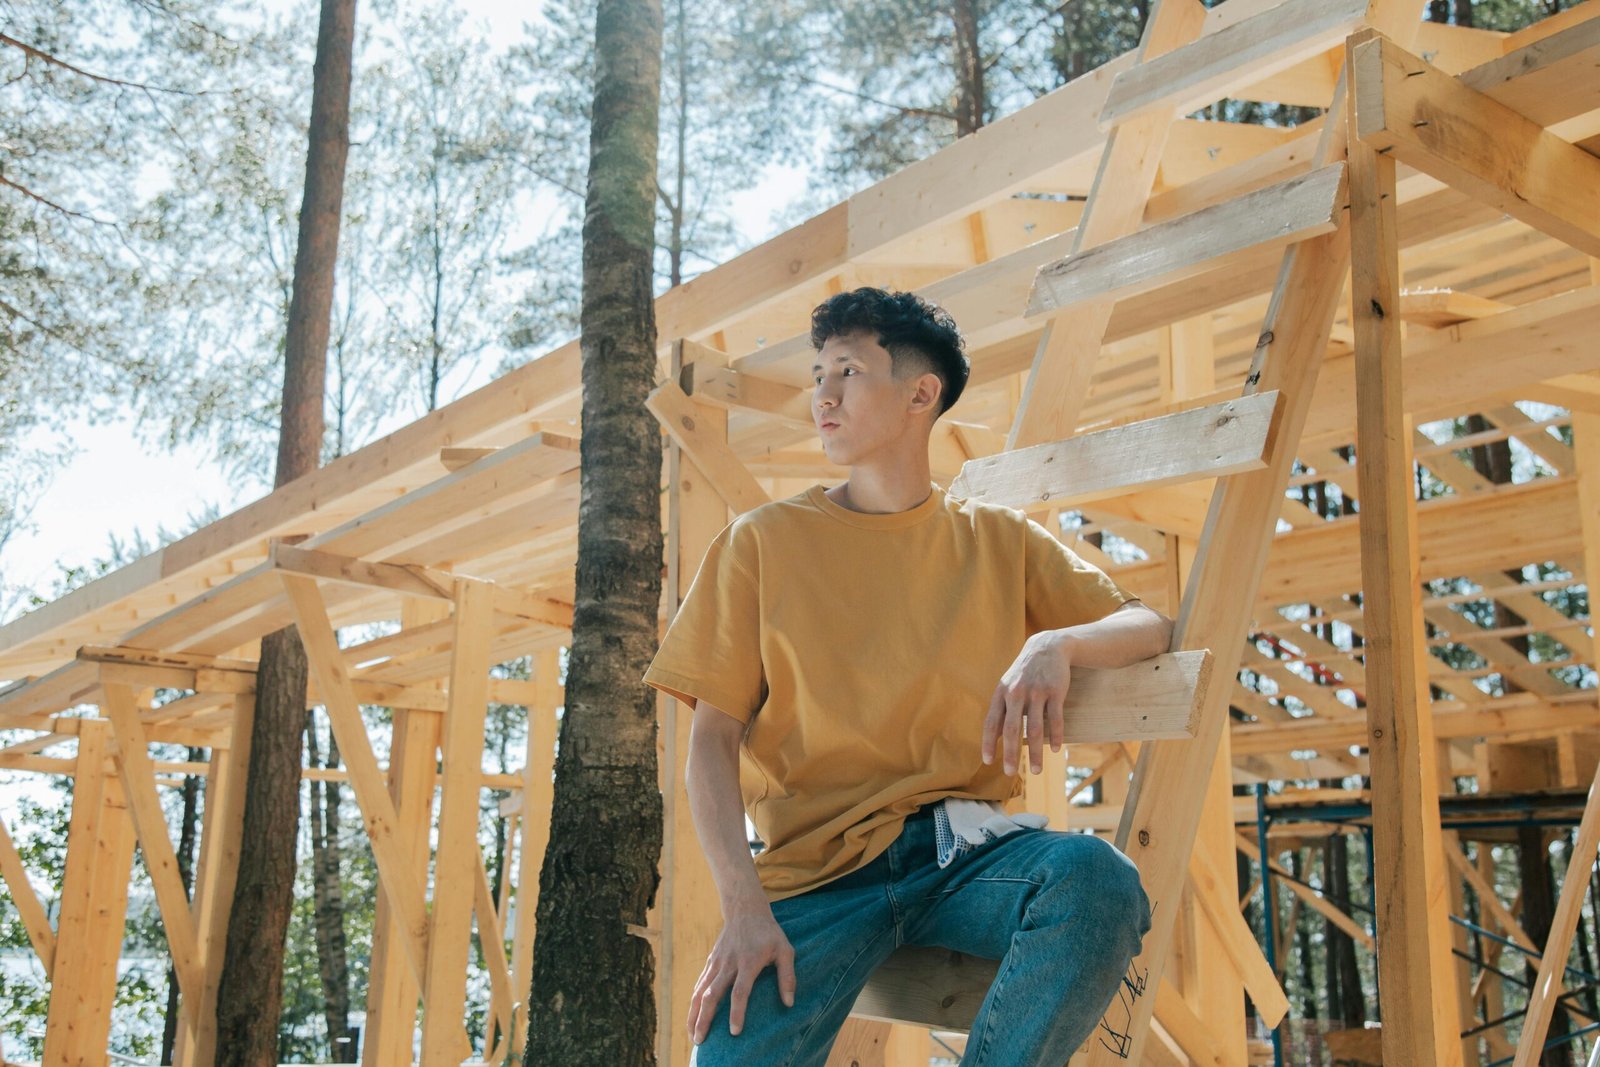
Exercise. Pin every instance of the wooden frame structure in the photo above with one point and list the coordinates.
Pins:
(1143, 293)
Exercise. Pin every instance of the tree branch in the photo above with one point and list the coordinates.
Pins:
(36, 53)
(923, 111)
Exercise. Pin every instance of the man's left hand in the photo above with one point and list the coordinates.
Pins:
(1031, 691)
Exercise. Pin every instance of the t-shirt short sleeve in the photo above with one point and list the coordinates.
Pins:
(712, 648)
(1064, 589)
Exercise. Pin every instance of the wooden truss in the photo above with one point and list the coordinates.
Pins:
(1163, 356)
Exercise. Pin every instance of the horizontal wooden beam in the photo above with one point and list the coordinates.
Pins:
(1169, 252)
(1410, 109)
(1199, 443)
(1201, 73)
(1154, 699)
(727, 388)
(1452, 720)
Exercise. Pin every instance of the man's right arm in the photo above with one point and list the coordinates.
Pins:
(751, 939)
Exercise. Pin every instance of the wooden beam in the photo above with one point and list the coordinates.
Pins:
(1189, 78)
(35, 920)
(1416, 113)
(1058, 382)
(719, 464)
(409, 579)
(92, 914)
(444, 989)
(1239, 941)
(1420, 1018)
(393, 990)
(1548, 78)
(1199, 443)
(728, 388)
(537, 794)
(214, 879)
(1169, 252)
(1318, 903)
(132, 755)
(400, 885)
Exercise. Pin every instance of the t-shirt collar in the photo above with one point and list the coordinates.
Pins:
(892, 520)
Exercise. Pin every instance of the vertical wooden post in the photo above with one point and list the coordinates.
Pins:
(214, 877)
(94, 907)
(687, 912)
(538, 791)
(393, 991)
(1420, 1016)
(1460, 939)
(1569, 909)
(444, 993)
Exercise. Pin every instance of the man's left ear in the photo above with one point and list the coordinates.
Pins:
(928, 389)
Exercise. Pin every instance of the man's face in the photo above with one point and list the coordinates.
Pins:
(858, 405)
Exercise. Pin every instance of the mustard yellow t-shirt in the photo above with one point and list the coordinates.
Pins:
(862, 649)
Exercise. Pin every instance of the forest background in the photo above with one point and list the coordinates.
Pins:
(150, 172)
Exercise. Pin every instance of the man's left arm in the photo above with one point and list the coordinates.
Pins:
(1034, 689)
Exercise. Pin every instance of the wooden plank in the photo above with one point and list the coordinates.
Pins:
(1199, 443)
(393, 990)
(132, 756)
(444, 987)
(1569, 911)
(1452, 720)
(491, 938)
(1324, 907)
(1169, 252)
(727, 388)
(679, 416)
(1547, 80)
(399, 880)
(1238, 940)
(35, 920)
(1416, 113)
(1176, 786)
(537, 794)
(93, 909)
(396, 577)
(1189, 78)
(1063, 362)
(1412, 898)
(215, 876)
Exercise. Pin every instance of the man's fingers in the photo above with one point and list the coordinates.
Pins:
(741, 997)
(706, 1001)
(786, 982)
(1055, 728)
(992, 721)
(1036, 733)
(1013, 732)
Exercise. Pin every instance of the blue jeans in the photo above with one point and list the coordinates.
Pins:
(1064, 914)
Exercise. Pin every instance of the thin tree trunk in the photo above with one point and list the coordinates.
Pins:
(186, 838)
(592, 998)
(328, 900)
(250, 992)
(971, 99)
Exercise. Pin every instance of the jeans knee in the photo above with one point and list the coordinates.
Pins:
(1098, 882)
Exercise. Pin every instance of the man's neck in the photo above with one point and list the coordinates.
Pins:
(880, 493)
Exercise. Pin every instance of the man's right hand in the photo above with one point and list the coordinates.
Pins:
(750, 941)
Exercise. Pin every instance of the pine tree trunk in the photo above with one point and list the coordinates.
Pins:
(971, 98)
(250, 991)
(593, 999)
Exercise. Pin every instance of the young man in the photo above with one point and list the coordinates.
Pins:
(863, 654)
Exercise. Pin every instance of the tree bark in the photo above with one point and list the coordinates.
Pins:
(971, 98)
(327, 891)
(250, 990)
(592, 998)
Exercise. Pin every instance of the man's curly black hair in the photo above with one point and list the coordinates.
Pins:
(919, 336)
